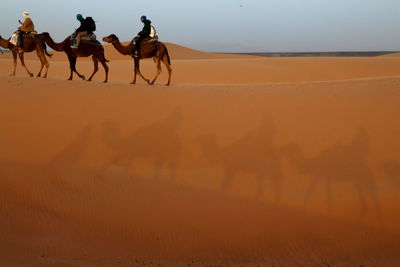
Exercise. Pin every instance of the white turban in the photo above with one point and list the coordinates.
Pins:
(25, 15)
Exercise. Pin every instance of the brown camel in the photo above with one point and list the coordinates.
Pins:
(31, 43)
(86, 49)
(149, 49)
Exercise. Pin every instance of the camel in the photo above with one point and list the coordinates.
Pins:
(149, 49)
(31, 43)
(86, 49)
(253, 154)
(344, 163)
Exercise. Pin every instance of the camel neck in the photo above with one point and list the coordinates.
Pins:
(125, 50)
(54, 45)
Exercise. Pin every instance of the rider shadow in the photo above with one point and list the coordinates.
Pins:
(157, 144)
(340, 164)
(254, 155)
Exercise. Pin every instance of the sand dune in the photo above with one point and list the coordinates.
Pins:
(243, 161)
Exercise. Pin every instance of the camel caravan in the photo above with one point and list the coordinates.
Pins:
(83, 43)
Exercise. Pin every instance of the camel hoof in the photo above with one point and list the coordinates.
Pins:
(167, 84)
(30, 75)
(38, 75)
(12, 74)
(132, 82)
(88, 80)
(83, 77)
(105, 81)
(45, 76)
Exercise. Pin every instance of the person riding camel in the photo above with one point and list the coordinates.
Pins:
(86, 28)
(26, 27)
(145, 33)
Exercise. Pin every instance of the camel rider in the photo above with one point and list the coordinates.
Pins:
(145, 33)
(86, 28)
(26, 27)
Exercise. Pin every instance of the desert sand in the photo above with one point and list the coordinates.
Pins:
(242, 161)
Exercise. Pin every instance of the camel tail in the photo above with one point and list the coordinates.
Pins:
(104, 55)
(45, 50)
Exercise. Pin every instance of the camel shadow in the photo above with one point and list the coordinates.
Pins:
(158, 143)
(70, 155)
(253, 154)
(343, 163)
(61, 176)
(391, 172)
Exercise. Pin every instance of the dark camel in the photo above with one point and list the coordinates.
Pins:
(149, 49)
(86, 49)
(31, 43)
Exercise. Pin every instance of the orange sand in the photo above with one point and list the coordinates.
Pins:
(217, 169)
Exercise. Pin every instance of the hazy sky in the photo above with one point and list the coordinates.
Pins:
(226, 25)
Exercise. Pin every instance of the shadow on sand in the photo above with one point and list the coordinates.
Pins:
(158, 143)
(343, 163)
(253, 154)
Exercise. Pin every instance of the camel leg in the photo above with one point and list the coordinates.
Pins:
(165, 61)
(103, 62)
(47, 65)
(96, 68)
(134, 72)
(14, 53)
(21, 57)
(137, 69)
(72, 65)
(158, 64)
(42, 61)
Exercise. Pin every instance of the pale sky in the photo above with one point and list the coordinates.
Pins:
(226, 25)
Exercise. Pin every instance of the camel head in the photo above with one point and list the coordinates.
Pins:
(111, 38)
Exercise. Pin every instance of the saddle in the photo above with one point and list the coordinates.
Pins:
(146, 40)
(14, 36)
(89, 37)
(91, 41)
